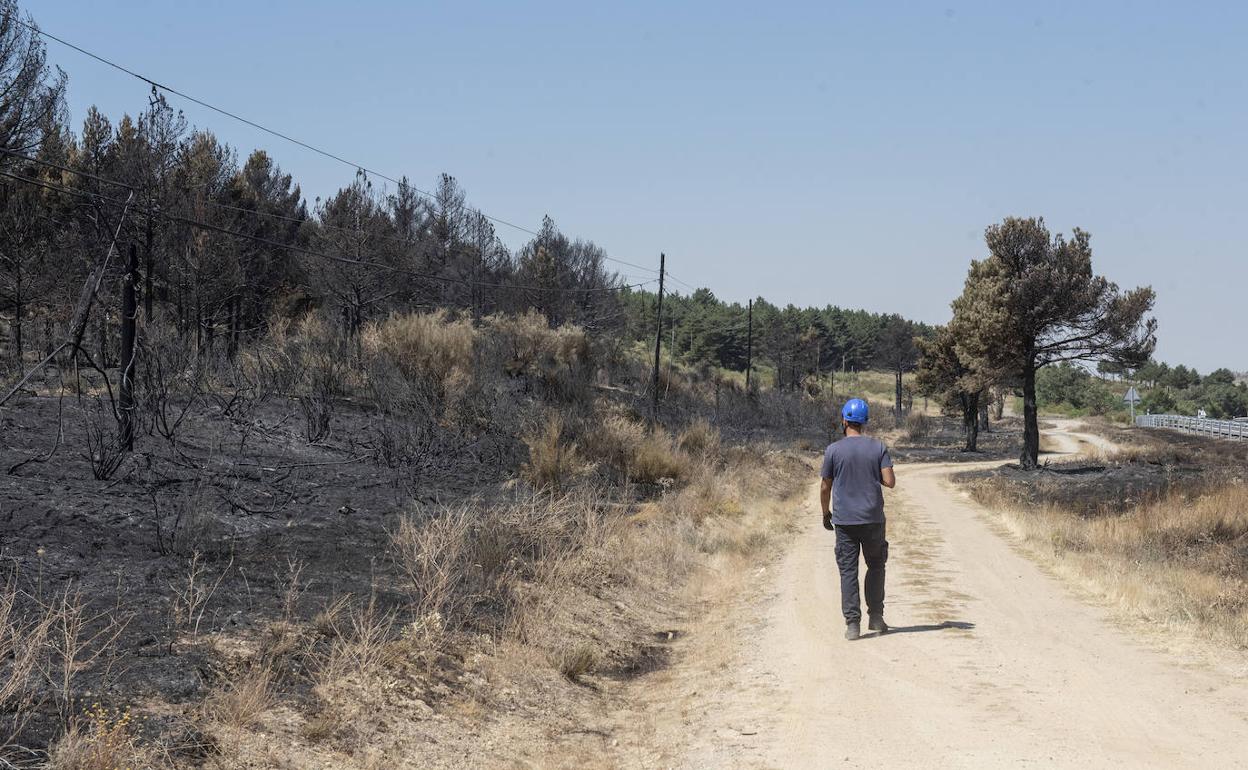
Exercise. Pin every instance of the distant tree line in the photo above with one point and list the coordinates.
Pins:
(792, 344)
(1182, 390)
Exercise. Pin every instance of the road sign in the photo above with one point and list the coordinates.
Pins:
(1132, 398)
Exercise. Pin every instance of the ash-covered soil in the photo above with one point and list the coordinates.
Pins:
(944, 442)
(1152, 464)
(218, 552)
(271, 524)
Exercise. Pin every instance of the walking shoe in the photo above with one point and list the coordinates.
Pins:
(876, 623)
(852, 630)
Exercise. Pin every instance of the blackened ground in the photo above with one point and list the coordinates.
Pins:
(1153, 464)
(255, 500)
(944, 442)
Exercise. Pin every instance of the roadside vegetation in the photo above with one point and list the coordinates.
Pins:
(1158, 528)
(452, 519)
(1074, 391)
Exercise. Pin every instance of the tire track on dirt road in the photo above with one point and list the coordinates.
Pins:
(993, 663)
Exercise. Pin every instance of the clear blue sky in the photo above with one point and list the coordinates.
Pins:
(813, 153)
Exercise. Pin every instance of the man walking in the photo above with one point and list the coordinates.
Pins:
(854, 469)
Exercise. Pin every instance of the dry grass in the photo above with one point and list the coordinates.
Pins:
(23, 640)
(646, 455)
(240, 703)
(700, 439)
(1176, 561)
(655, 459)
(553, 459)
(426, 347)
(362, 646)
(532, 572)
(575, 660)
(102, 739)
(916, 428)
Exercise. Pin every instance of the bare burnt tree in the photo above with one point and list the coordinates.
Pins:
(364, 273)
(31, 94)
(565, 280)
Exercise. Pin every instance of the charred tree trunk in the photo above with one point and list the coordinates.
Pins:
(897, 409)
(16, 325)
(983, 416)
(103, 337)
(232, 343)
(970, 421)
(1030, 458)
(149, 267)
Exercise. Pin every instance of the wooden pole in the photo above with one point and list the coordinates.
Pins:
(749, 344)
(658, 339)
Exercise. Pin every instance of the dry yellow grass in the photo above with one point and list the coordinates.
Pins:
(553, 459)
(240, 702)
(700, 439)
(102, 739)
(23, 641)
(655, 459)
(575, 660)
(531, 344)
(1177, 561)
(426, 347)
(645, 455)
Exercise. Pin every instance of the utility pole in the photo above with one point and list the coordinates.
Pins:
(749, 344)
(129, 314)
(658, 339)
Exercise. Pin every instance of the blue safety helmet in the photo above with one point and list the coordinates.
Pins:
(855, 410)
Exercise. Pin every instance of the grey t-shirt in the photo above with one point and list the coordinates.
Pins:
(854, 464)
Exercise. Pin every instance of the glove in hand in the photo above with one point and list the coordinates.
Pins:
(827, 522)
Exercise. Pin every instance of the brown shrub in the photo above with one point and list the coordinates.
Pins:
(614, 441)
(558, 361)
(700, 439)
(640, 455)
(710, 495)
(553, 459)
(917, 427)
(426, 347)
(575, 659)
(532, 346)
(240, 702)
(655, 459)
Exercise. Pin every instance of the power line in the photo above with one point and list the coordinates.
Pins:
(691, 287)
(273, 132)
(310, 252)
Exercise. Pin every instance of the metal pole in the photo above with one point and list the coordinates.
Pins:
(658, 339)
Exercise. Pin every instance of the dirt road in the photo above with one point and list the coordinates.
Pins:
(992, 663)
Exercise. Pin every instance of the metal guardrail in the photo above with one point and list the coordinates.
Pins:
(1220, 428)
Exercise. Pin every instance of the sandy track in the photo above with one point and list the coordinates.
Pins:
(993, 663)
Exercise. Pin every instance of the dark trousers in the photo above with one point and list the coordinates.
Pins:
(869, 539)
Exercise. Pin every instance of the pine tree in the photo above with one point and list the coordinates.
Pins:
(1035, 301)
